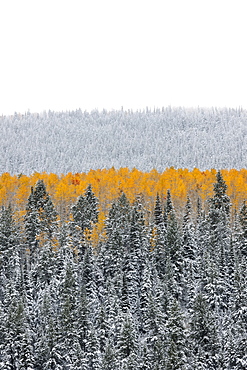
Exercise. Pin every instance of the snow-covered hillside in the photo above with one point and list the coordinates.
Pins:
(78, 141)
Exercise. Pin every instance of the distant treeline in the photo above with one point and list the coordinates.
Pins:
(76, 141)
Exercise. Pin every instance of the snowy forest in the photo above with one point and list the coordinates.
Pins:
(159, 288)
(77, 141)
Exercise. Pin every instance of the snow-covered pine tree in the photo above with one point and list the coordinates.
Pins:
(189, 254)
(176, 351)
(127, 345)
(117, 231)
(188, 237)
(220, 239)
(85, 215)
(40, 219)
(243, 223)
(85, 211)
(203, 340)
(174, 247)
(158, 214)
(160, 250)
(10, 250)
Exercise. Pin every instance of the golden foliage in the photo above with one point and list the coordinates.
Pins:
(108, 184)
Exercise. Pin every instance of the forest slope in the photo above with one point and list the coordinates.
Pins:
(78, 141)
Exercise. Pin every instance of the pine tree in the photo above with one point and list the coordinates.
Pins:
(3, 333)
(159, 238)
(109, 357)
(83, 319)
(168, 209)
(18, 352)
(45, 267)
(32, 224)
(189, 255)
(67, 293)
(91, 203)
(243, 223)
(47, 214)
(127, 344)
(93, 354)
(8, 234)
(220, 201)
(174, 259)
(220, 239)
(158, 216)
(47, 352)
(10, 250)
(145, 294)
(188, 233)
(175, 356)
(85, 211)
(219, 214)
(169, 206)
(117, 230)
(153, 320)
(88, 278)
(132, 269)
(203, 335)
(40, 219)
(140, 234)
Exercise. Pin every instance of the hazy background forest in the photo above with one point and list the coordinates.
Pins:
(76, 141)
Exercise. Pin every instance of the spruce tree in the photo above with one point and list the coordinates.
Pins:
(117, 231)
(218, 217)
(10, 250)
(159, 238)
(220, 239)
(127, 344)
(109, 361)
(47, 214)
(203, 339)
(189, 254)
(40, 219)
(85, 215)
(174, 259)
(243, 223)
(91, 211)
(133, 254)
(158, 215)
(93, 355)
(188, 237)
(175, 355)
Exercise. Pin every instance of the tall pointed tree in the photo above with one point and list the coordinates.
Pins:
(40, 218)
(243, 223)
(85, 215)
(158, 215)
(85, 211)
(220, 240)
(159, 232)
(176, 346)
(204, 344)
(117, 231)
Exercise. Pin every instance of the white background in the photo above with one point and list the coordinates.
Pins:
(69, 54)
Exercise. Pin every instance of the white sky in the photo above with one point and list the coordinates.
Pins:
(66, 54)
